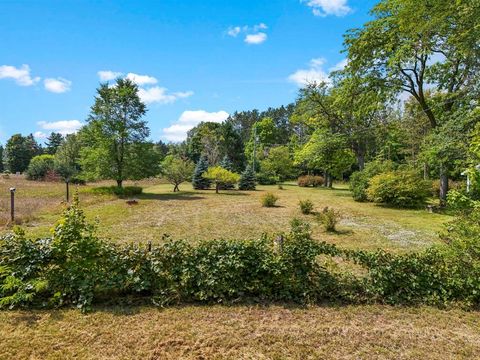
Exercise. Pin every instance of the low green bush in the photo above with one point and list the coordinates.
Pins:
(329, 219)
(398, 188)
(40, 166)
(306, 206)
(126, 191)
(359, 180)
(269, 200)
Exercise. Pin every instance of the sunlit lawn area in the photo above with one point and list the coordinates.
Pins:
(199, 215)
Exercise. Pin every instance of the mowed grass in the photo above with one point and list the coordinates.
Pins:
(241, 332)
(204, 215)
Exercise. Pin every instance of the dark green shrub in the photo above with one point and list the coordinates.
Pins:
(264, 178)
(126, 191)
(306, 206)
(40, 166)
(329, 219)
(398, 188)
(359, 180)
(269, 200)
(310, 180)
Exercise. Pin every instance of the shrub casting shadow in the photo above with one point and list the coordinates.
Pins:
(182, 195)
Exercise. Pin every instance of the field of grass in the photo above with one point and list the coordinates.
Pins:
(241, 332)
(233, 332)
(199, 215)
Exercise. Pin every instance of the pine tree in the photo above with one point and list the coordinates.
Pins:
(247, 179)
(227, 165)
(198, 181)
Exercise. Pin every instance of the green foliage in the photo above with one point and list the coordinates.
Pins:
(176, 170)
(265, 178)
(54, 141)
(247, 179)
(306, 206)
(326, 151)
(329, 219)
(359, 180)
(199, 182)
(126, 191)
(114, 144)
(67, 157)
(268, 200)
(221, 177)
(398, 188)
(278, 163)
(310, 180)
(40, 166)
(18, 152)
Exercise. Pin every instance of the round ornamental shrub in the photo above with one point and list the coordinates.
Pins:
(40, 166)
(399, 188)
(269, 200)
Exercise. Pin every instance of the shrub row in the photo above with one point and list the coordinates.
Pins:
(310, 180)
(74, 267)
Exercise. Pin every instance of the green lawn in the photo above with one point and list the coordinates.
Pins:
(197, 215)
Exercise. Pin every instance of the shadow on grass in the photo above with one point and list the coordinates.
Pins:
(181, 195)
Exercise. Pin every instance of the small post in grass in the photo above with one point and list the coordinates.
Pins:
(12, 204)
(149, 245)
(67, 182)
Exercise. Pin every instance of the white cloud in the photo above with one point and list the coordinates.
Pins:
(40, 135)
(106, 75)
(340, 65)
(160, 95)
(329, 7)
(142, 79)
(58, 85)
(21, 75)
(253, 34)
(256, 38)
(188, 120)
(63, 127)
(315, 73)
(234, 31)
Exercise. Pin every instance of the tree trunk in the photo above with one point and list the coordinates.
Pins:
(120, 183)
(325, 179)
(425, 171)
(443, 186)
(175, 189)
(329, 181)
(217, 185)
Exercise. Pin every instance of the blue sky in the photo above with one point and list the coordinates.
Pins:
(193, 60)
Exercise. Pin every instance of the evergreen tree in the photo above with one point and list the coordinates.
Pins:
(198, 181)
(53, 142)
(247, 179)
(227, 165)
(18, 152)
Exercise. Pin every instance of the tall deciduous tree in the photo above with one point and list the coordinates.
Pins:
(67, 157)
(327, 152)
(115, 134)
(414, 45)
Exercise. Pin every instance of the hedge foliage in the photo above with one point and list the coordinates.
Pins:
(76, 268)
